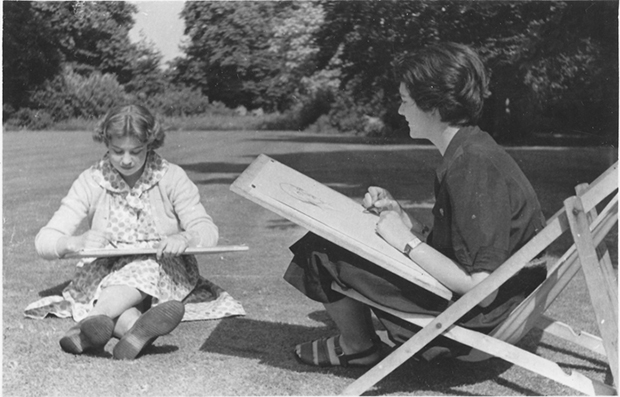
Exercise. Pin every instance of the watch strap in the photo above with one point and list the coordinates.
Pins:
(411, 245)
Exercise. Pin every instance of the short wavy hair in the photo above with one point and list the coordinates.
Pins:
(447, 77)
(131, 120)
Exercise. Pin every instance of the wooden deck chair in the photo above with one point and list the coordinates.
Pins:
(588, 230)
(337, 218)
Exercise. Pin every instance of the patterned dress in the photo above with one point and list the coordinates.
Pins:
(131, 224)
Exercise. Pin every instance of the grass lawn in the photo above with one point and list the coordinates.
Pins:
(252, 355)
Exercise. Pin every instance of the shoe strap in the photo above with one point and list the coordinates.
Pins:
(345, 358)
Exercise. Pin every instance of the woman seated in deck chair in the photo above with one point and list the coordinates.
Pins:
(485, 210)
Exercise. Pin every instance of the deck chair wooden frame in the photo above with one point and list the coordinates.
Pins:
(588, 230)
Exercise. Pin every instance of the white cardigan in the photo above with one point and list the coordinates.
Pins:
(175, 202)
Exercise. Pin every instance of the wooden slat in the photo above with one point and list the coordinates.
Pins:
(496, 348)
(566, 332)
(603, 296)
(524, 317)
(601, 249)
(602, 187)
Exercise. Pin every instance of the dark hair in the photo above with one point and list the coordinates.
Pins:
(449, 77)
(131, 120)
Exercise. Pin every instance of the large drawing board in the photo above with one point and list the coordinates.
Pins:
(328, 214)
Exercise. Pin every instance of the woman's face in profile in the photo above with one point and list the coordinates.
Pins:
(421, 124)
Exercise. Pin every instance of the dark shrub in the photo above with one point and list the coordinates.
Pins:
(31, 119)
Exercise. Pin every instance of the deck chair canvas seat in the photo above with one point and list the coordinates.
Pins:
(578, 217)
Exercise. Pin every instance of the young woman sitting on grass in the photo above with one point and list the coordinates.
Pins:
(131, 198)
(485, 210)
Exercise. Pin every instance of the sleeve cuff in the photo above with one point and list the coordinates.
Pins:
(487, 259)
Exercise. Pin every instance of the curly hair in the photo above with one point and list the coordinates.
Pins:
(448, 77)
(131, 120)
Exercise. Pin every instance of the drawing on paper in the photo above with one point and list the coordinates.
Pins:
(302, 195)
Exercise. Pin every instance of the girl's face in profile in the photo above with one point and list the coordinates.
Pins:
(128, 155)
(421, 124)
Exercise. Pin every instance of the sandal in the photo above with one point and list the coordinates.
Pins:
(327, 352)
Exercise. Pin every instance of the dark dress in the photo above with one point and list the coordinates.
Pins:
(485, 210)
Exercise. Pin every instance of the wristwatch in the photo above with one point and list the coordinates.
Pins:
(411, 245)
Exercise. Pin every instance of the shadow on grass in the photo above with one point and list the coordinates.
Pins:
(598, 363)
(158, 349)
(349, 172)
(272, 343)
(553, 141)
(207, 168)
(150, 350)
(282, 224)
(408, 173)
(346, 139)
(55, 290)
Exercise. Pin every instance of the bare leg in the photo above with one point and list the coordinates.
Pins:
(116, 299)
(354, 321)
(357, 336)
(125, 321)
(155, 322)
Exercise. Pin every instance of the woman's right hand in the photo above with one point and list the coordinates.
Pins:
(92, 239)
(377, 199)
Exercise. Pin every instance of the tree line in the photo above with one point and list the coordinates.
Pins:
(325, 64)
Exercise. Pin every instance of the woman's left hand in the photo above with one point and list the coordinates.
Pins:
(393, 230)
(173, 245)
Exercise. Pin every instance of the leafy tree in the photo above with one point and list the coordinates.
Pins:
(368, 36)
(93, 35)
(238, 52)
(518, 40)
(96, 38)
(293, 43)
(574, 73)
(31, 56)
(75, 42)
(227, 50)
(71, 94)
(148, 78)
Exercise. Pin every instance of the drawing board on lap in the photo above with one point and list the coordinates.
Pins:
(107, 252)
(328, 214)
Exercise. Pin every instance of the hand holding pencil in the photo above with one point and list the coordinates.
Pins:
(91, 239)
(377, 200)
